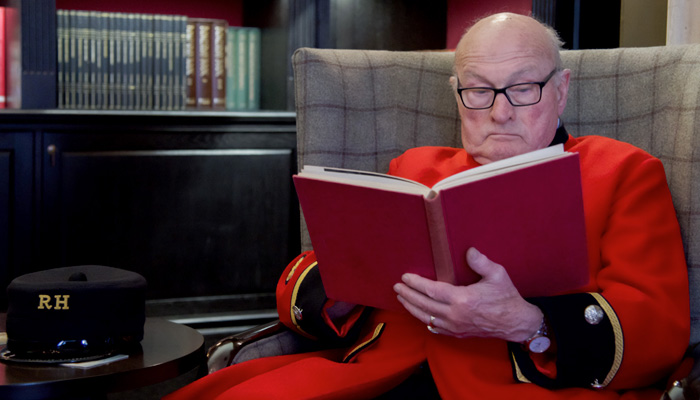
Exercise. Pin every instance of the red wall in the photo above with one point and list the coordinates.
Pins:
(462, 13)
(230, 10)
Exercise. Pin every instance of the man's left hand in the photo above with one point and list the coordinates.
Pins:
(491, 307)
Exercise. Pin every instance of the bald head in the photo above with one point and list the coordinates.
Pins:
(499, 53)
(489, 35)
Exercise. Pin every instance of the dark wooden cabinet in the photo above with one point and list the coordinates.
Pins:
(16, 200)
(201, 204)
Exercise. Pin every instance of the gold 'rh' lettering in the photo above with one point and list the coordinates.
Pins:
(61, 302)
(44, 302)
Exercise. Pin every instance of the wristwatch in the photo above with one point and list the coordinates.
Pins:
(539, 342)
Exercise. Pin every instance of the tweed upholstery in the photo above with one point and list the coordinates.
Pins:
(359, 109)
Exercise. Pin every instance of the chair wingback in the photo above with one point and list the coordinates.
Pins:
(649, 97)
(359, 109)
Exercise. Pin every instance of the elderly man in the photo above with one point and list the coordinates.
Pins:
(627, 329)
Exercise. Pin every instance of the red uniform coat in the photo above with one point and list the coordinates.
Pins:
(638, 278)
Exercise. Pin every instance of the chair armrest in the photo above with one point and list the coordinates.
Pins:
(687, 388)
(691, 383)
(223, 353)
(267, 340)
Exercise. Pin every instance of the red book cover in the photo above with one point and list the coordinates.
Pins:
(3, 58)
(523, 213)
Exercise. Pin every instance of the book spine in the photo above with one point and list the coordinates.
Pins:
(147, 60)
(181, 61)
(242, 70)
(134, 59)
(124, 61)
(190, 64)
(442, 257)
(118, 61)
(76, 59)
(61, 50)
(230, 68)
(87, 60)
(114, 47)
(157, 61)
(138, 63)
(254, 53)
(169, 64)
(127, 63)
(178, 64)
(98, 83)
(83, 74)
(93, 67)
(71, 61)
(203, 78)
(217, 64)
(104, 60)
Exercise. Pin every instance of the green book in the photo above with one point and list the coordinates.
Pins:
(254, 39)
(242, 70)
(231, 46)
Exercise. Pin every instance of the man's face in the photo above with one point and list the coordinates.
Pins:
(501, 57)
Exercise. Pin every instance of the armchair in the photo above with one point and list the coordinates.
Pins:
(359, 109)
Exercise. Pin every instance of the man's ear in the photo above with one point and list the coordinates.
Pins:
(563, 89)
(453, 83)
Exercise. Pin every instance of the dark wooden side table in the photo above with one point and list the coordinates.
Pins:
(168, 350)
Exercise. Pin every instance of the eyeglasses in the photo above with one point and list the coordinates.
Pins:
(518, 95)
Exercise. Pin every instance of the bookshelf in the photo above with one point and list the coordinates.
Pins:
(200, 202)
(105, 46)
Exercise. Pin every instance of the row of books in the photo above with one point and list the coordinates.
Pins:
(129, 61)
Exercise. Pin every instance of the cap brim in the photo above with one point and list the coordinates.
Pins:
(53, 358)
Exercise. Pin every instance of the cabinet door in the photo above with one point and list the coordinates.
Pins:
(16, 204)
(195, 214)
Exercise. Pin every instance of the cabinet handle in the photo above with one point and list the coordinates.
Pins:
(51, 150)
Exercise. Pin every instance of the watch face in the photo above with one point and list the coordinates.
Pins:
(539, 344)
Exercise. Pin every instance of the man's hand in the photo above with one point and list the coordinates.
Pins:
(491, 307)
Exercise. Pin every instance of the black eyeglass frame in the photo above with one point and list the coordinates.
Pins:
(503, 90)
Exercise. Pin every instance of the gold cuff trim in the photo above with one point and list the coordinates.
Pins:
(294, 297)
(619, 338)
(518, 373)
(377, 332)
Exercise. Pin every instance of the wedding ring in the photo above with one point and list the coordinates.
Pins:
(431, 327)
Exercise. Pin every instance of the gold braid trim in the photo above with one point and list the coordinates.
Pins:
(518, 372)
(294, 268)
(619, 337)
(378, 330)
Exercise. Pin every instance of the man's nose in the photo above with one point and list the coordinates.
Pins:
(502, 109)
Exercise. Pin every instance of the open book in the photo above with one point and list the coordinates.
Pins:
(524, 212)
